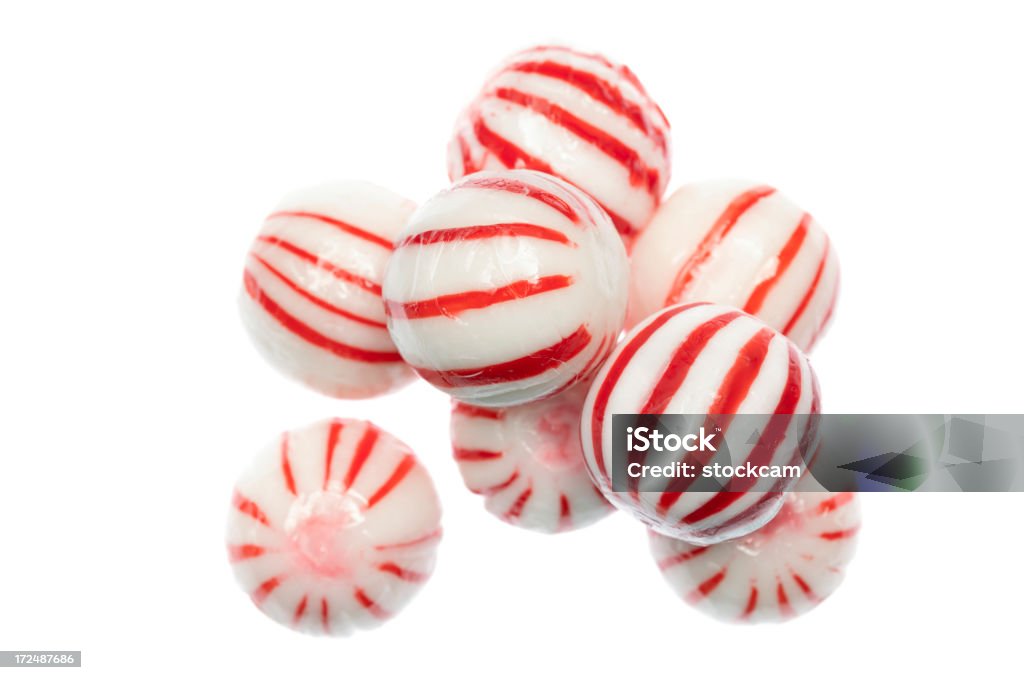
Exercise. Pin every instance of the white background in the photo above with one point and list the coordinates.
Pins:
(141, 146)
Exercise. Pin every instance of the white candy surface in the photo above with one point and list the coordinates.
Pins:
(574, 115)
(508, 287)
(739, 244)
(311, 299)
(782, 570)
(334, 527)
(527, 462)
(702, 359)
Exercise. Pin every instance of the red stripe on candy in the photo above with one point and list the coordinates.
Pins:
(491, 490)
(249, 507)
(333, 269)
(426, 538)
(742, 374)
(825, 319)
(456, 303)
(310, 335)
(300, 610)
(517, 506)
(517, 186)
(333, 434)
(830, 504)
(237, 553)
(510, 155)
(475, 454)
(719, 230)
(564, 512)
(528, 366)
(751, 603)
(839, 535)
(467, 158)
(611, 146)
(401, 470)
(403, 574)
(764, 499)
(486, 231)
(622, 225)
(628, 74)
(681, 557)
(780, 594)
(706, 588)
(682, 359)
(786, 257)
(827, 316)
(319, 302)
(471, 411)
(599, 89)
(802, 584)
(595, 362)
(286, 466)
(363, 451)
(809, 294)
(334, 222)
(264, 589)
(370, 605)
(325, 617)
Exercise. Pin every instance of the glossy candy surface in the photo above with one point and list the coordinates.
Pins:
(333, 527)
(311, 299)
(575, 115)
(507, 287)
(740, 244)
(780, 571)
(703, 359)
(527, 462)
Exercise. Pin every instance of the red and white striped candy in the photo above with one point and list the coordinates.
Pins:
(740, 244)
(574, 115)
(508, 287)
(333, 527)
(782, 570)
(694, 359)
(311, 299)
(527, 462)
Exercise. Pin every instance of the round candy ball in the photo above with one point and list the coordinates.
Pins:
(311, 299)
(333, 527)
(740, 244)
(508, 287)
(575, 115)
(703, 358)
(527, 462)
(780, 571)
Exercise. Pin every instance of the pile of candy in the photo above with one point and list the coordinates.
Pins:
(511, 291)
